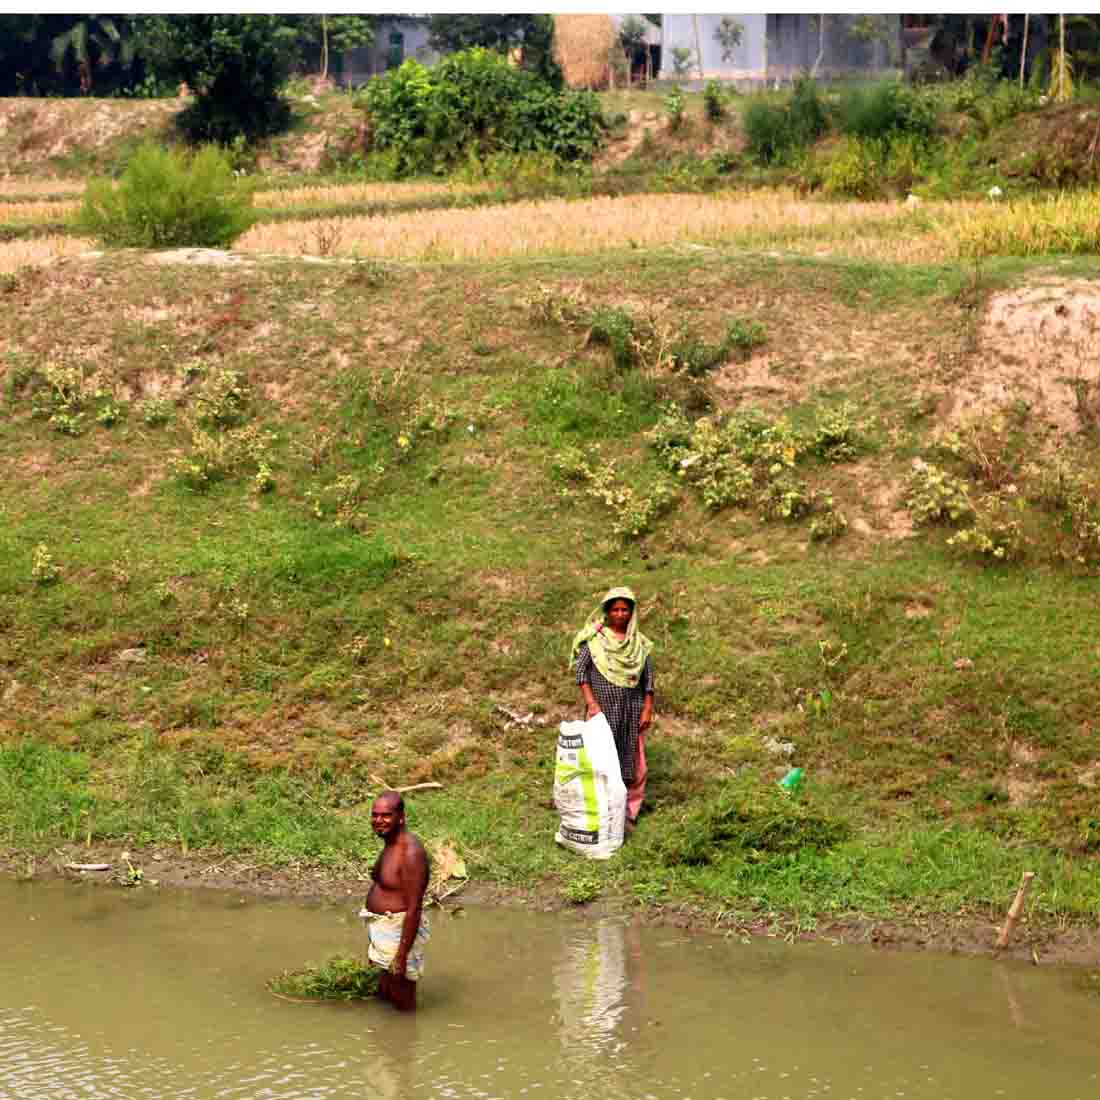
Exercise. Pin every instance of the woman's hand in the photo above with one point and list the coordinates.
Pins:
(592, 709)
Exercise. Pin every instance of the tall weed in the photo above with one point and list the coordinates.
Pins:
(168, 199)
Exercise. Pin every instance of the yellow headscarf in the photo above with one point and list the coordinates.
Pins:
(619, 662)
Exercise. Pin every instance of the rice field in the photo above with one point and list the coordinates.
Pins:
(881, 230)
(16, 188)
(40, 250)
(13, 212)
(1069, 224)
(289, 198)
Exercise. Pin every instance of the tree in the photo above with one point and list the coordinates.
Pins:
(728, 35)
(632, 41)
(322, 35)
(235, 65)
(93, 40)
(534, 34)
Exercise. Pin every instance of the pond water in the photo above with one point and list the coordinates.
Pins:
(138, 994)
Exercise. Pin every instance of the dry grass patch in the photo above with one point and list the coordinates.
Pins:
(36, 211)
(289, 198)
(558, 226)
(17, 254)
(10, 188)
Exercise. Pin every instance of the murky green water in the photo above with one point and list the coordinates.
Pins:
(137, 994)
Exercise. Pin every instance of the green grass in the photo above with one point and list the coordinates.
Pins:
(942, 710)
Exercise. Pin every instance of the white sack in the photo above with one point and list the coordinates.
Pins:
(589, 792)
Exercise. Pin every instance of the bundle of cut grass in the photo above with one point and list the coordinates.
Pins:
(339, 979)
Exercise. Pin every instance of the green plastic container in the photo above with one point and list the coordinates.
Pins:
(792, 781)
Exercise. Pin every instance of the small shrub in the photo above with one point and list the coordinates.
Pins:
(222, 398)
(714, 102)
(836, 435)
(997, 534)
(213, 456)
(935, 496)
(767, 130)
(44, 570)
(338, 501)
(109, 415)
(582, 887)
(674, 108)
(829, 524)
(155, 412)
(616, 329)
(744, 335)
(632, 514)
(785, 498)
(551, 305)
(168, 199)
(854, 169)
(984, 443)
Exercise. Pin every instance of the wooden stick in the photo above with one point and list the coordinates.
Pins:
(1014, 911)
(420, 787)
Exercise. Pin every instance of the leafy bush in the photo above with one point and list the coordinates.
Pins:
(475, 103)
(887, 111)
(936, 496)
(775, 131)
(168, 199)
(714, 103)
(235, 64)
(854, 170)
(674, 108)
(997, 533)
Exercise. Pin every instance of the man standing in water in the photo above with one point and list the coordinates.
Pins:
(398, 930)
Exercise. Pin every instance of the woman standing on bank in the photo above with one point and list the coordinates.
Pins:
(615, 676)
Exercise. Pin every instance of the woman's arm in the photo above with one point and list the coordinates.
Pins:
(584, 664)
(592, 707)
(645, 720)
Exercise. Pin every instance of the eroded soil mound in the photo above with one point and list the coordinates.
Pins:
(1039, 344)
(34, 132)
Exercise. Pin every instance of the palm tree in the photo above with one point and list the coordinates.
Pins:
(98, 37)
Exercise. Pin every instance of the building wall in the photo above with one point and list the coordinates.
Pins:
(779, 47)
(749, 58)
(367, 61)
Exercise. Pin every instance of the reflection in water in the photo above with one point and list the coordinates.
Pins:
(591, 980)
(111, 994)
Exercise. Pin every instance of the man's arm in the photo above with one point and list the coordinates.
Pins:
(414, 882)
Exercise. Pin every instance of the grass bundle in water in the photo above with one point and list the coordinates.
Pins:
(339, 979)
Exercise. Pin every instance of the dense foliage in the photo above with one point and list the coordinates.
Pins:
(167, 199)
(475, 103)
(235, 65)
(886, 111)
(532, 35)
(774, 129)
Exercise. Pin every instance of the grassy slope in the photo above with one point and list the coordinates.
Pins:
(292, 663)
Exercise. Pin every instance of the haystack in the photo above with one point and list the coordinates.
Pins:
(581, 47)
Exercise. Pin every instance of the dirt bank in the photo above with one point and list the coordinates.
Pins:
(966, 932)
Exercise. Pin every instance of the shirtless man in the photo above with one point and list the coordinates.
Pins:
(395, 901)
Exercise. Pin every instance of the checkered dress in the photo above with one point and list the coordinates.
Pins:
(622, 707)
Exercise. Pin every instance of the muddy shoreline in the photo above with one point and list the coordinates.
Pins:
(969, 933)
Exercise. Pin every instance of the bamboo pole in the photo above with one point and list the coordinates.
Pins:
(698, 46)
(1014, 911)
(1023, 50)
